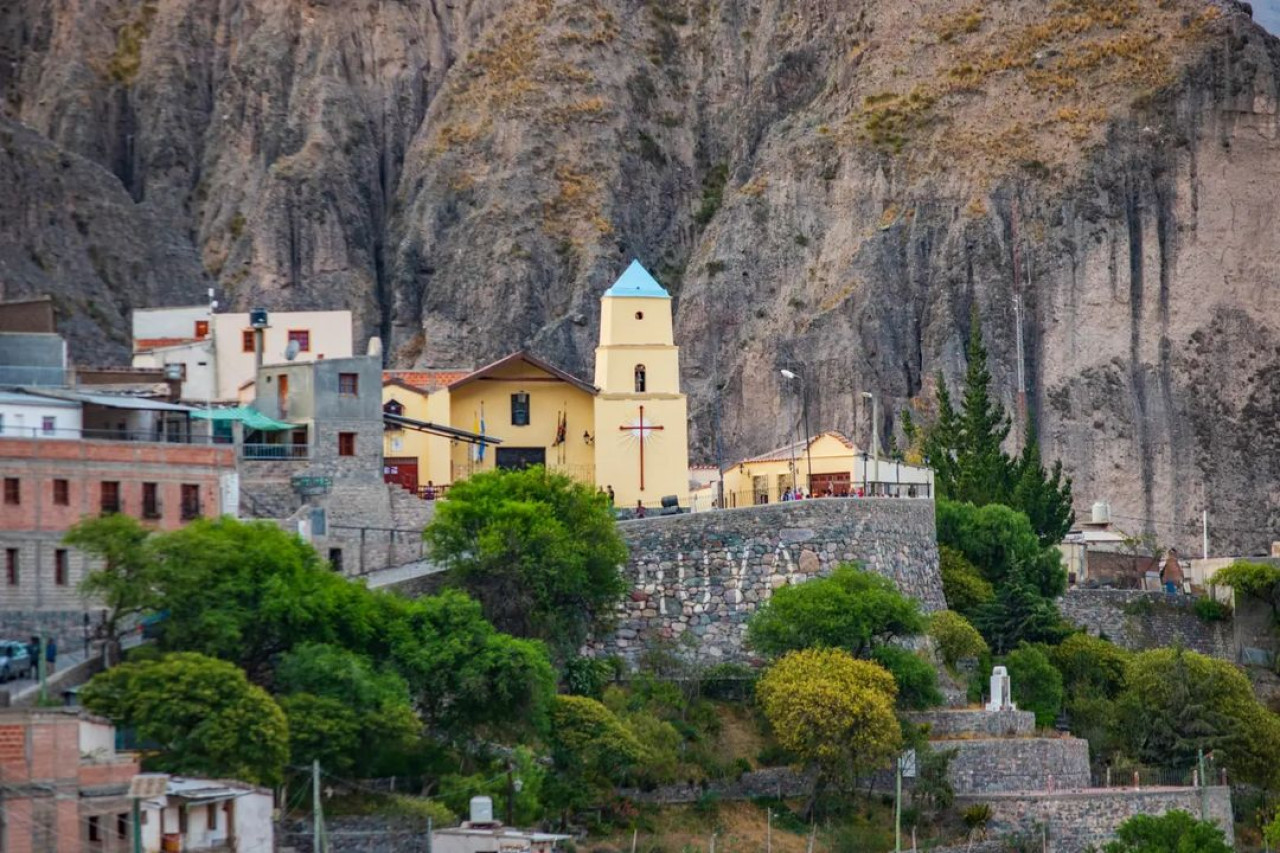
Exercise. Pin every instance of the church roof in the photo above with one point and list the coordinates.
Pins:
(636, 282)
(532, 361)
(797, 448)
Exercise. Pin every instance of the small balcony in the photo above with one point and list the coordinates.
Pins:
(275, 452)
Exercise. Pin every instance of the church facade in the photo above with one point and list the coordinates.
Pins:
(626, 431)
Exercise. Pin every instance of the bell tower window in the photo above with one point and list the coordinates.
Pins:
(639, 378)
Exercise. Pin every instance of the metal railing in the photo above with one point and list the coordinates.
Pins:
(275, 451)
(151, 436)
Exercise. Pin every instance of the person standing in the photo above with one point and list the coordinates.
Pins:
(639, 509)
(609, 492)
(51, 654)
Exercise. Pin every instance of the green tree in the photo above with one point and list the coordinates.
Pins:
(1177, 703)
(538, 549)
(1043, 496)
(955, 638)
(1258, 580)
(377, 701)
(851, 609)
(983, 470)
(322, 729)
(941, 440)
(916, 678)
(592, 750)
(1171, 832)
(1037, 685)
(203, 714)
(124, 579)
(1091, 666)
(962, 583)
(1001, 542)
(833, 711)
(1018, 614)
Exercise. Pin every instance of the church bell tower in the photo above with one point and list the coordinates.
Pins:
(641, 418)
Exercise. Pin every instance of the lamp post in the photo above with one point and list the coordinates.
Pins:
(808, 439)
(875, 436)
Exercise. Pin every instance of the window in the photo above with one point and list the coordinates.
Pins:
(348, 384)
(247, 341)
(150, 500)
(640, 378)
(190, 501)
(639, 315)
(95, 830)
(282, 394)
(211, 821)
(12, 491)
(202, 328)
(346, 444)
(11, 566)
(520, 409)
(60, 567)
(302, 337)
(110, 497)
(48, 424)
(335, 559)
(61, 493)
(122, 825)
(393, 407)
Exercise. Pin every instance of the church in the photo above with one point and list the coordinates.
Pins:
(627, 430)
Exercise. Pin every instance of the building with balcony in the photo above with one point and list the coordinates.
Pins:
(219, 352)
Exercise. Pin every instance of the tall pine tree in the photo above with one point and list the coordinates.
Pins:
(983, 472)
(1045, 497)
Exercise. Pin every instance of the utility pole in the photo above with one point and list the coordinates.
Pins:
(317, 816)
(42, 670)
(1204, 786)
(897, 808)
(875, 437)
(1204, 533)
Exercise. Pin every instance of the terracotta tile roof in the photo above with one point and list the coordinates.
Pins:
(425, 380)
(144, 344)
(532, 361)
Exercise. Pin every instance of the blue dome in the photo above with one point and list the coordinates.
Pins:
(636, 281)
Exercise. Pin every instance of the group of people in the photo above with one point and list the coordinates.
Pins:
(50, 654)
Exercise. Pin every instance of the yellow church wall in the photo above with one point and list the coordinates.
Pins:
(666, 452)
(548, 396)
(408, 442)
(439, 466)
(741, 481)
(621, 325)
(616, 368)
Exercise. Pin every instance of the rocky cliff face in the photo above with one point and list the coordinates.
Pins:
(824, 185)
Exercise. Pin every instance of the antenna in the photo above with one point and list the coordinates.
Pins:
(291, 351)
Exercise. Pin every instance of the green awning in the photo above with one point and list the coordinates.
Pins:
(250, 417)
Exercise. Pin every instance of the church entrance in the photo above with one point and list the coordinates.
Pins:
(514, 458)
(401, 471)
(836, 485)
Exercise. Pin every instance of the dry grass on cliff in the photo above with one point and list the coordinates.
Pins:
(1009, 82)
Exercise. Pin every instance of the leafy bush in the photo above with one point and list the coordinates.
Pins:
(1212, 610)
(976, 816)
(962, 583)
(1091, 666)
(955, 637)
(917, 680)
(1037, 685)
(1175, 832)
(729, 682)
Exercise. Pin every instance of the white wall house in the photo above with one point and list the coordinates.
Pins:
(217, 351)
(207, 814)
(28, 416)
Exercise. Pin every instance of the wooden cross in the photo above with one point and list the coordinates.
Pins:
(639, 429)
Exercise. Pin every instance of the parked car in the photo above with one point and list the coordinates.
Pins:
(14, 660)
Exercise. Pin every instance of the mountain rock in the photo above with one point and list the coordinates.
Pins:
(824, 186)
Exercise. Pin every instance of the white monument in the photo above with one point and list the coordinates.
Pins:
(1001, 691)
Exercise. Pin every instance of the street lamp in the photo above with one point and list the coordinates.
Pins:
(808, 439)
(875, 436)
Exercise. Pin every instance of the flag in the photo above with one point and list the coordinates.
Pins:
(562, 425)
(480, 447)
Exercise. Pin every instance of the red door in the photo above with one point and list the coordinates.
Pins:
(401, 470)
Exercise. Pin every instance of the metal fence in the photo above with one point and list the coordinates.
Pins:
(275, 451)
(154, 436)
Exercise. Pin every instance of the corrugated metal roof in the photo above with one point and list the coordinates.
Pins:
(112, 401)
(17, 398)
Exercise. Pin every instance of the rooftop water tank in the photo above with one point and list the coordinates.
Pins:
(1101, 512)
(481, 810)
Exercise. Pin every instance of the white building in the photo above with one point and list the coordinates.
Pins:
(217, 352)
(31, 416)
(483, 834)
(207, 814)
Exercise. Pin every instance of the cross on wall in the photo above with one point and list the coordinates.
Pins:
(639, 429)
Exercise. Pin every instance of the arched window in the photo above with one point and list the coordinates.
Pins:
(639, 378)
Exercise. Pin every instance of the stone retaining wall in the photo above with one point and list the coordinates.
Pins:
(943, 724)
(1075, 821)
(766, 782)
(706, 573)
(1136, 620)
(990, 765)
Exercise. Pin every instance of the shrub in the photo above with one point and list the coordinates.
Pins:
(962, 583)
(977, 816)
(1037, 685)
(1212, 610)
(917, 680)
(957, 639)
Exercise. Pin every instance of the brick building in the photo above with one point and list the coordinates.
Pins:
(62, 784)
(48, 485)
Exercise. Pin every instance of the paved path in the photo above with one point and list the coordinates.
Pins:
(68, 672)
(399, 574)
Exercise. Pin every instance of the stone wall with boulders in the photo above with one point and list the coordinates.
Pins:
(705, 574)
(952, 723)
(1076, 821)
(1137, 620)
(991, 765)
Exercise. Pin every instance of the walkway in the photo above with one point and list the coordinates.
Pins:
(73, 669)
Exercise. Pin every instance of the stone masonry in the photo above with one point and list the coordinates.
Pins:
(967, 723)
(1137, 620)
(707, 573)
(1076, 821)
(989, 765)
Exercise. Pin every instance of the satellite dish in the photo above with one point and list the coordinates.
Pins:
(291, 351)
